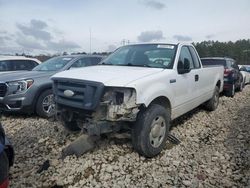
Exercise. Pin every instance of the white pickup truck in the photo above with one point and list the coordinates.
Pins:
(140, 88)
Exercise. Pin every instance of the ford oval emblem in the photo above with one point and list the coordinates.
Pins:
(69, 93)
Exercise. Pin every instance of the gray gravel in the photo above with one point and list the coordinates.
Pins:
(214, 152)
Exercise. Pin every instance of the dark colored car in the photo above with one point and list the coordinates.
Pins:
(233, 79)
(6, 158)
(31, 91)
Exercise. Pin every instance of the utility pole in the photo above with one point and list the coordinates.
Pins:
(125, 42)
(90, 40)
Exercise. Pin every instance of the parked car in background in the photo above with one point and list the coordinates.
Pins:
(17, 63)
(6, 158)
(247, 67)
(31, 91)
(245, 73)
(233, 79)
(144, 84)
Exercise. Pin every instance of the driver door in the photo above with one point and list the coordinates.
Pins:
(184, 87)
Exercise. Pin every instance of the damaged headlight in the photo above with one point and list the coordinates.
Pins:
(118, 96)
(19, 86)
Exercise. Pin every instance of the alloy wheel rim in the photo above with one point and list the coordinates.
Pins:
(157, 132)
(49, 105)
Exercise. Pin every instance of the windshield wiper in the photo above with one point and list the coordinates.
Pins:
(136, 65)
(104, 63)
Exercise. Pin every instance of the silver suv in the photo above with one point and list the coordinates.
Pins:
(31, 91)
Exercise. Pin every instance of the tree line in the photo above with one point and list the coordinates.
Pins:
(239, 50)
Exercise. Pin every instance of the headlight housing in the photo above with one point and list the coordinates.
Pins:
(19, 86)
(118, 96)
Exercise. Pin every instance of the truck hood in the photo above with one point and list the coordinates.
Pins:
(109, 75)
(20, 75)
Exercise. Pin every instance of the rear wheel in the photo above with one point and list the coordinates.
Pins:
(45, 106)
(241, 86)
(150, 131)
(231, 92)
(213, 103)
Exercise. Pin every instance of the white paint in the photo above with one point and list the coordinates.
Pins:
(150, 83)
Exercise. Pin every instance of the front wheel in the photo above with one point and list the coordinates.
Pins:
(45, 106)
(213, 103)
(150, 131)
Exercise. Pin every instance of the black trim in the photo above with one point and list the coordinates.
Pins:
(172, 81)
(87, 93)
(3, 89)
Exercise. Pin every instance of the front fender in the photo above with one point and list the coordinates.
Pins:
(149, 93)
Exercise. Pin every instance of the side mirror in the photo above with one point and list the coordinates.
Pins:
(184, 68)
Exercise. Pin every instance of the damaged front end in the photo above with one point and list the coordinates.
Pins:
(119, 104)
(110, 111)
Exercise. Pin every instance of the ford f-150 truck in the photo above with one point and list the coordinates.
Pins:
(141, 87)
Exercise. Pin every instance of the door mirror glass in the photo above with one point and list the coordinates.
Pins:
(184, 67)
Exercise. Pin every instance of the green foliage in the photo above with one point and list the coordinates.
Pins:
(239, 50)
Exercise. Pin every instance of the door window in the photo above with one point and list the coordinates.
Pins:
(195, 58)
(184, 56)
(95, 60)
(83, 62)
(22, 64)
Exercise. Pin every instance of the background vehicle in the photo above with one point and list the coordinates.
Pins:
(245, 74)
(17, 63)
(148, 84)
(233, 79)
(247, 68)
(31, 91)
(6, 158)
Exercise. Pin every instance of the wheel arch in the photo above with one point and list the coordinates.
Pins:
(218, 84)
(163, 101)
(40, 91)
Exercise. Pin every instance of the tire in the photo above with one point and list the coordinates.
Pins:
(244, 82)
(231, 92)
(240, 89)
(213, 103)
(45, 106)
(4, 167)
(69, 125)
(150, 131)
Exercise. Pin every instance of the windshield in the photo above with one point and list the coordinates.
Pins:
(146, 55)
(53, 64)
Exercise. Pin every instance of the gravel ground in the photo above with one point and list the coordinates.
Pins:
(214, 152)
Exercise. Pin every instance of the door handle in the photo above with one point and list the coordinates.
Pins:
(172, 81)
(196, 77)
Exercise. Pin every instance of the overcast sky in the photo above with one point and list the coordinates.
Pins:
(50, 26)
